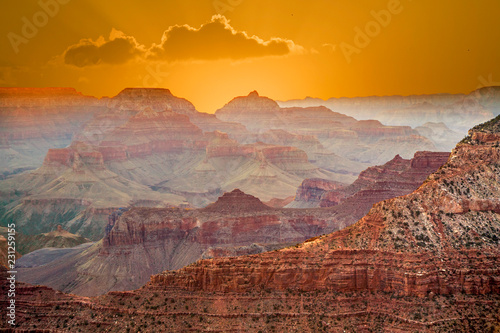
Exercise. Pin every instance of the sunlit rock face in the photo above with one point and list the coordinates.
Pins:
(430, 232)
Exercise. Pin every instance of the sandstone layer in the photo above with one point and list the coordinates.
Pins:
(73, 188)
(395, 178)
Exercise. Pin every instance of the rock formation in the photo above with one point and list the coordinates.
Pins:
(160, 99)
(310, 192)
(279, 203)
(73, 188)
(316, 152)
(263, 170)
(357, 141)
(36, 119)
(260, 113)
(153, 158)
(146, 241)
(397, 177)
(444, 138)
(428, 261)
(439, 240)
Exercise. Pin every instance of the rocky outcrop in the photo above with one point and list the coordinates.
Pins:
(58, 238)
(145, 241)
(150, 132)
(284, 156)
(259, 113)
(397, 177)
(310, 192)
(154, 158)
(264, 170)
(316, 152)
(282, 311)
(36, 97)
(279, 203)
(236, 201)
(73, 188)
(222, 146)
(159, 99)
(253, 111)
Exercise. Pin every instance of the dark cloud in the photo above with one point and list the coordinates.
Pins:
(119, 49)
(213, 40)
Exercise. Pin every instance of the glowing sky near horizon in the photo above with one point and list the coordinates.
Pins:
(210, 51)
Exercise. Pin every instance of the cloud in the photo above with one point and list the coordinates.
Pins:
(117, 50)
(214, 40)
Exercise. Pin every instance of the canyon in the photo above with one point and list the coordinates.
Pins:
(237, 223)
(146, 241)
(73, 189)
(155, 159)
(57, 238)
(427, 261)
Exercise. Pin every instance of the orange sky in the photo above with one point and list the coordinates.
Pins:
(210, 51)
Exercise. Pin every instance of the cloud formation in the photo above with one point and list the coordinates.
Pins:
(214, 40)
(117, 50)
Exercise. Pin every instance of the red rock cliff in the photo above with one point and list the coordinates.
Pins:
(430, 241)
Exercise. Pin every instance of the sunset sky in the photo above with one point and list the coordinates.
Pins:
(210, 51)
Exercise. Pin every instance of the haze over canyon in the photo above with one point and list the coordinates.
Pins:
(263, 216)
